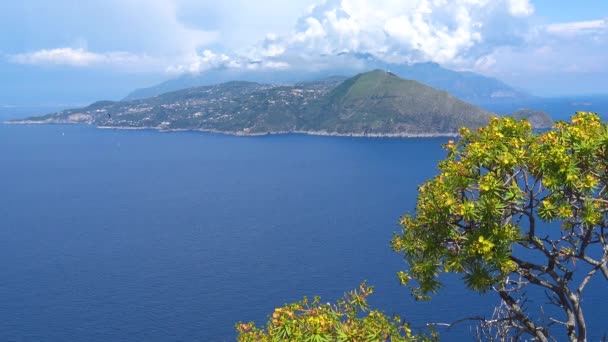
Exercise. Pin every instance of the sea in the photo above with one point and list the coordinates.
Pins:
(110, 235)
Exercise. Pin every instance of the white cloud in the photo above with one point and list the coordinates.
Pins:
(82, 58)
(494, 37)
(207, 60)
(276, 65)
(570, 55)
(59, 56)
(578, 27)
(241, 23)
(121, 33)
(454, 33)
(520, 8)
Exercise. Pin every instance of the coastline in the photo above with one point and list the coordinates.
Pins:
(248, 134)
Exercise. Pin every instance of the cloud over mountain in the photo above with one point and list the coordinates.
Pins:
(453, 33)
(500, 38)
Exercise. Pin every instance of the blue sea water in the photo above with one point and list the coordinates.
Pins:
(558, 108)
(144, 236)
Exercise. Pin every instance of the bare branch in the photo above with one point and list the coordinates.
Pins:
(530, 327)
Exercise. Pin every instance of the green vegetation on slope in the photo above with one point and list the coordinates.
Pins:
(379, 101)
(373, 103)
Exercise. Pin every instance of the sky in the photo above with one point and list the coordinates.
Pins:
(67, 52)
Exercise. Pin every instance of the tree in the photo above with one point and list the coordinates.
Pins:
(318, 322)
(511, 209)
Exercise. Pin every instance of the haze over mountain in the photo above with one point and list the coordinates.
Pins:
(376, 103)
(66, 53)
(468, 86)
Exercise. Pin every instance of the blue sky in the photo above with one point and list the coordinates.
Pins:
(74, 52)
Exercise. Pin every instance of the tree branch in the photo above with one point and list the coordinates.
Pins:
(530, 327)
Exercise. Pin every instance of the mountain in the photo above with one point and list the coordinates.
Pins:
(223, 75)
(375, 103)
(381, 102)
(537, 118)
(467, 86)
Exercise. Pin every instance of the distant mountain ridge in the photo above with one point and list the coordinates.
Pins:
(376, 103)
(467, 86)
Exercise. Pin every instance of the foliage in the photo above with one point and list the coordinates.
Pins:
(511, 208)
(343, 321)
